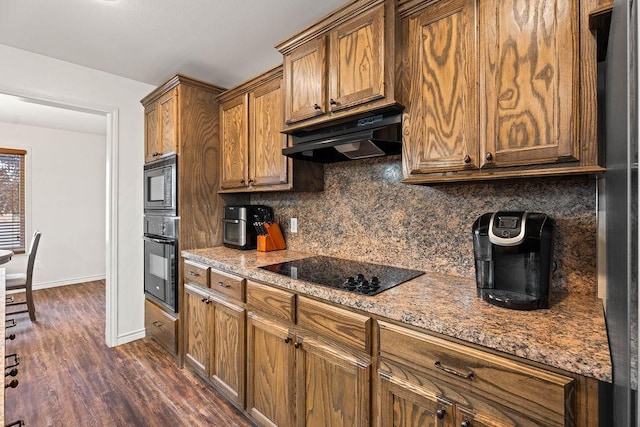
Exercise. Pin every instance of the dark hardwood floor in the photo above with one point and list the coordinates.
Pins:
(69, 377)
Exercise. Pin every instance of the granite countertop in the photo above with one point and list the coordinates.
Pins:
(571, 335)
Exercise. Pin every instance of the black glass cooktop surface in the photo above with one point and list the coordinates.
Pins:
(359, 277)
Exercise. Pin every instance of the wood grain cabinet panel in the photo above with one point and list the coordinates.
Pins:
(196, 273)
(340, 66)
(270, 372)
(162, 326)
(215, 340)
(441, 113)
(161, 126)
(489, 388)
(492, 90)
(274, 302)
(529, 85)
(305, 81)
(198, 325)
(333, 385)
(251, 142)
(234, 142)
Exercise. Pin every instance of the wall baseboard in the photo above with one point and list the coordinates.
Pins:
(65, 282)
(131, 336)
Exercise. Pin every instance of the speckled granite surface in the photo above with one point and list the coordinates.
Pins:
(571, 335)
(365, 213)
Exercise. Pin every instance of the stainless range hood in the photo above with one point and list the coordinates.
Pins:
(374, 136)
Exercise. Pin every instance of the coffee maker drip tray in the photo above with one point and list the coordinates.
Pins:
(513, 300)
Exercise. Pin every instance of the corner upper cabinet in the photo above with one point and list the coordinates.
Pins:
(491, 90)
(342, 65)
(161, 126)
(251, 143)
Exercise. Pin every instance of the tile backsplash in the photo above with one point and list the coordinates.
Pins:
(365, 213)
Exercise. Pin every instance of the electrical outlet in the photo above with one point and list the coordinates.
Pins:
(294, 225)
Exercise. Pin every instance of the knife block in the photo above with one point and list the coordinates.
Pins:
(273, 240)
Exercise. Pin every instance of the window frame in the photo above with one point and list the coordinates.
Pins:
(21, 246)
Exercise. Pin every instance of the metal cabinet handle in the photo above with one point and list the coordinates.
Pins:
(317, 107)
(12, 373)
(333, 102)
(489, 157)
(157, 324)
(194, 273)
(287, 340)
(465, 423)
(467, 376)
(251, 181)
(12, 384)
(10, 337)
(242, 181)
(224, 285)
(297, 344)
(467, 159)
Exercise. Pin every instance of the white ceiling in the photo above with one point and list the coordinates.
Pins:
(224, 42)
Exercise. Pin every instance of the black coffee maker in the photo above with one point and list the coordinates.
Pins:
(514, 258)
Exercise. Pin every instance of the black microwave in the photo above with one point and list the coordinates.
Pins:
(160, 186)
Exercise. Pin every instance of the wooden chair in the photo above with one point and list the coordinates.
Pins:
(25, 281)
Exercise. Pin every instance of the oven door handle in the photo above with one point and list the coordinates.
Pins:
(231, 221)
(161, 241)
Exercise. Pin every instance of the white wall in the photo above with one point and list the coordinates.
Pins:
(47, 78)
(65, 200)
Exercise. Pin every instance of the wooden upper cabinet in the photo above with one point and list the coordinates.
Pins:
(305, 81)
(529, 84)
(234, 143)
(340, 66)
(267, 165)
(161, 126)
(251, 119)
(441, 113)
(356, 62)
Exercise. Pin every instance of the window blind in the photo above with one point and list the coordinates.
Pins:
(12, 196)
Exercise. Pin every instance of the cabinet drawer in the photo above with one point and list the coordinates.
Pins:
(545, 395)
(270, 300)
(336, 323)
(227, 284)
(162, 326)
(195, 273)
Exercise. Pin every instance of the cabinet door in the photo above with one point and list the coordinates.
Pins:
(332, 386)
(228, 358)
(405, 405)
(234, 142)
(267, 164)
(270, 370)
(356, 64)
(168, 118)
(441, 113)
(152, 147)
(197, 337)
(305, 81)
(528, 93)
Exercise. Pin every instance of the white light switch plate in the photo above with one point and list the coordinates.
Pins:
(294, 225)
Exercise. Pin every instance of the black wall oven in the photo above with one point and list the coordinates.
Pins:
(160, 189)
(161, 259)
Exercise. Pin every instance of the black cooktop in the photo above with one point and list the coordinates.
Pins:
(359, 277)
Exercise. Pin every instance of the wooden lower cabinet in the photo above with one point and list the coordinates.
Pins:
(332, 385)
(215, 340)
(161, 326)
(271, 371)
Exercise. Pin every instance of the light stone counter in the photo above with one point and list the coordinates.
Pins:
(571, 335)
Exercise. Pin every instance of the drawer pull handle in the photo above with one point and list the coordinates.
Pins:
(12, 384)
(465, 423)
(287, 340)
(440, 414)
(297, 344)
(12, 373)
(10, 337)
(157, 324)
(224, 285)
(194, 273)
(467, 376)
